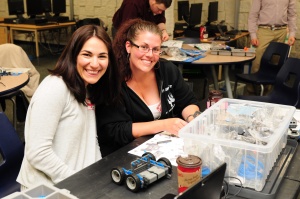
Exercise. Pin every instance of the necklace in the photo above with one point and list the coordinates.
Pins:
(90, 106)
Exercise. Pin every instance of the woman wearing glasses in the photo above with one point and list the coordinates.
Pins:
(155, 96)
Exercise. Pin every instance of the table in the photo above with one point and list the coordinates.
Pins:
(234, 42)
(9, 84)
(35, 29)
(212, 60)
(237, 36)
(95, 182)
(9, 87)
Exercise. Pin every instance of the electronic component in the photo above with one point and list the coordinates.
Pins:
(293, 123)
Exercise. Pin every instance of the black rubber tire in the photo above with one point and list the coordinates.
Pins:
(166, 162)
(117, 175)
(133, 183)
(152, 157)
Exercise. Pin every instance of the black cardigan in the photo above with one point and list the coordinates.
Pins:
(114, 124)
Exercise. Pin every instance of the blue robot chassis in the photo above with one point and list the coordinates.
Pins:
(144, 171)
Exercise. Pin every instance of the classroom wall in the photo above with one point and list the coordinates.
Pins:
(104, 9)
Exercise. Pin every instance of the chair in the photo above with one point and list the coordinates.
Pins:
(286, 88)
(189, 40)
(92, 21)
(12, 151)
(19, 102)
(13, 56)
(271, 62)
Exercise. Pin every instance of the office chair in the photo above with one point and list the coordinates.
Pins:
(271, 62)
(13, 56)
(286, 88)
(12, 151)
(189, 40)
(91, 21)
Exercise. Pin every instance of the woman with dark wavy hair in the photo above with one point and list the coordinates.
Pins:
(155, 96)
(60, 128)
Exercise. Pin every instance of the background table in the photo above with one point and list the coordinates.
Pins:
(9, 84)
(212, 61)
(35, 29)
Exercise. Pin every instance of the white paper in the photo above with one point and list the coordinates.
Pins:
(170, 150)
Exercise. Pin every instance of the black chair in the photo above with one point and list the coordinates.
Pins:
(91, 21)
(286, 88)
(189, 40)
(19, 105)
(271, 62)
(12, 151)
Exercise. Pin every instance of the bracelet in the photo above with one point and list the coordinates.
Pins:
(194, 115)
(187, 119)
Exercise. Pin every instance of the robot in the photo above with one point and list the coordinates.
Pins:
(144, 171)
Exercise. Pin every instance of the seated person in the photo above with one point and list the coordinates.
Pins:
(8, 55)
(60, 128)
(155, 96)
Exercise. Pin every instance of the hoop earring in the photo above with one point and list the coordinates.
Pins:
(158, 65)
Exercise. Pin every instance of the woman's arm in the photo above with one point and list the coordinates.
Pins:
(44, 116)
(171, 125)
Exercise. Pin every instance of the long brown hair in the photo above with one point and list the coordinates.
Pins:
(128, 32)
(107, 89)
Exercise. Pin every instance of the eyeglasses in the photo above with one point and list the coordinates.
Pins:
(146, 49)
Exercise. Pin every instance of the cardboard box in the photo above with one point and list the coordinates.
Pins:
(242, 53)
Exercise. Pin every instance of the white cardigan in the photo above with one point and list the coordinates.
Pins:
(60, 135)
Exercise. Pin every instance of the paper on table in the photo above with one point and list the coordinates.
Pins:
(202, 46)
(172, 43)
(171, 149)
(176, 58)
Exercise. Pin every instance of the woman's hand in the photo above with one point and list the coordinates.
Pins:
(170, 125)
(173, 125)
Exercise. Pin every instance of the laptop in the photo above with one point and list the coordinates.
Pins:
(208, 188)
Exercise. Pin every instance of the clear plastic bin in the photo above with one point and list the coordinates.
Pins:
(247, 135)
(42, 191)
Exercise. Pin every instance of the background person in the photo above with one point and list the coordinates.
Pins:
(155, 96)
(149, 10)
(60, 128)
(263, 15)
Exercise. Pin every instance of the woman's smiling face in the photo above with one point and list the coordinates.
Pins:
(144, 61)
(92, 60)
